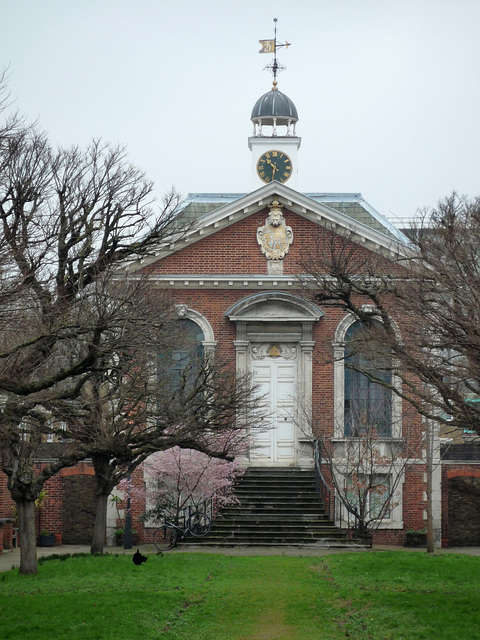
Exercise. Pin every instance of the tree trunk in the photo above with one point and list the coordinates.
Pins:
(100, 526)
(106, 481)
(361, 527)
(28, 543)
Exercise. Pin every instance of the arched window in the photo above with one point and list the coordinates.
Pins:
(367, 398)
(181, 361)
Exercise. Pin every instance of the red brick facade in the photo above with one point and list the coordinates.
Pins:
(209, 275)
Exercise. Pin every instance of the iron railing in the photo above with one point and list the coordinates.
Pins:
(333, 506)
(207, 507)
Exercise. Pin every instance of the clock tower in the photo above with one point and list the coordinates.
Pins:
(274, 144)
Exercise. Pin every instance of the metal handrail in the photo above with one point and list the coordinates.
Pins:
(333, 506)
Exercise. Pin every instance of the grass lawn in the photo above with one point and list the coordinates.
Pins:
(376, 596)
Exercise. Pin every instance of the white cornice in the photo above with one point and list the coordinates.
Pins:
(181, 281)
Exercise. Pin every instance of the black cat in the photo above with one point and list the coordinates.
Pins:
(138, 558)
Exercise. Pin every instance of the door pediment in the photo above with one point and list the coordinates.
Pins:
(273, 305)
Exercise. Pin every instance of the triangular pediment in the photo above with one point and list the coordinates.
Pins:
(212, 213)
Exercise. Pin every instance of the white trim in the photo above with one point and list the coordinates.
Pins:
(397, 475)
(209, 343)
(305, 311)
(339, 382)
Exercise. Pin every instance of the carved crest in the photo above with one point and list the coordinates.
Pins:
(275, 237)
(269, 350)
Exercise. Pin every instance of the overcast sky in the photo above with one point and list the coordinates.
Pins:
(387, 92)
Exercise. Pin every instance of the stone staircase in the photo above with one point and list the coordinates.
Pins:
(278, 506)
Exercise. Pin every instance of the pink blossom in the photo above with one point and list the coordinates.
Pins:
(179, 477)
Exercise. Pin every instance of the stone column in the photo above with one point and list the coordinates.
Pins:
(241, 347)
(305, 382)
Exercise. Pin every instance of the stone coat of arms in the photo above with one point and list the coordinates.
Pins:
(275, 237)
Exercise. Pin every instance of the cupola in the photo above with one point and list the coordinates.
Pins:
(274, 109)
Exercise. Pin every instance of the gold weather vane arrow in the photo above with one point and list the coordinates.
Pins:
(271, 46)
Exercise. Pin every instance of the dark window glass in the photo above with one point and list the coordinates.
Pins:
(367, 404)
(375, 490)
(180, 364)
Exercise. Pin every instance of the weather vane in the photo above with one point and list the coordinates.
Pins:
(271, 46)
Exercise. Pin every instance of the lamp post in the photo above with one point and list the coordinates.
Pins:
(127, 536)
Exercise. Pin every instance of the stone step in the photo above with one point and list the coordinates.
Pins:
(273, 540)
(273, 524)
(280, 505)
(278, 498)
(275, 482)
(272, 475)
(272, 517)
(277, 507)
(279, 471)
(317, 544)
(270, 534)
(291, 492)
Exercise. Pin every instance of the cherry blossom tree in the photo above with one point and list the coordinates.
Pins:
(126, 418)
(178, 478)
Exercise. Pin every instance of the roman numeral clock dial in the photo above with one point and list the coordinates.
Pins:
(274, 165)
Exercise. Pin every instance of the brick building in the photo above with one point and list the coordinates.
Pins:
(235, 280)
(235, 277)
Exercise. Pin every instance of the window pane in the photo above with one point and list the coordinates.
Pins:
(373, 490)
(180, 362)
(379, 496)
(367, 404)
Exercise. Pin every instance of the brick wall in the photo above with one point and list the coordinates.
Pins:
(50, 516)
(235, 250)
(460, 504)
(7, 505)
(78, 512)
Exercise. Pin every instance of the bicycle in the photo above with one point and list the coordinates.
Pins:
(166, 536)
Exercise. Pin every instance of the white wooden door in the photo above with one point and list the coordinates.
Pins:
(275, 442)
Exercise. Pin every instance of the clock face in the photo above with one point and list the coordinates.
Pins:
(274, 165)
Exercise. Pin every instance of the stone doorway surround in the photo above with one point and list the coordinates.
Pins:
(279, 319)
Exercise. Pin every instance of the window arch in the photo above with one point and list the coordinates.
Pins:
(208, 340)
(189, 350)
(359, 400)
(194, 341)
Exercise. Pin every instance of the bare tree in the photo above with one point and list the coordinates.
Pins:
(367, 469)
(429, 290)
(70, 219)
(127, 418)
(421, 302)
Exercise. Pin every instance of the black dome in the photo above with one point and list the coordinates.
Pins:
(274, 104)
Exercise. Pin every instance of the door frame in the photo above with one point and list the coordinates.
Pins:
(276, 318)
(276, 408)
